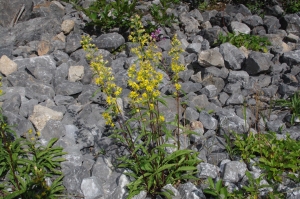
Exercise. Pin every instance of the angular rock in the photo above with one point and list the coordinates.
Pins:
(207, 170)
(73, 42)
(229, 121)
(235, 9)
(191, 114)
(238, 76)
(41, 115)
(26, 108)
(291, 23)
(238, 27)
(7, 66)
(109, 41)
(258, 62)
(252, 21)
(39, 91)
(190, 191)
(67, 26)
(211, 34)
(191, 25)
(211, 57)
(208, 121)
(272, 24)
(233, 57)
(76, 73)
(53, 129)
(210, 91)
(91, 188)
(13, 104)
(68, 88)
(10, 9)
(235, 99)
(291, 58)
(234, 171)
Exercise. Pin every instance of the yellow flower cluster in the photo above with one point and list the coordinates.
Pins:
(143, 76)
(175, 65)
(104, 78)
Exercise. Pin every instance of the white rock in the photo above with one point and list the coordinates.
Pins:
(75, 73)
(67, 26)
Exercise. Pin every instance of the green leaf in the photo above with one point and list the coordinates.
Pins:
(186, 168)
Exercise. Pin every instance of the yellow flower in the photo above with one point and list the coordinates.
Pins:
(161, 118)
(177, 86)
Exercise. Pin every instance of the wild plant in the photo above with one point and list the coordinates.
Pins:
(251, 42)
(143, 131)
(25, 164)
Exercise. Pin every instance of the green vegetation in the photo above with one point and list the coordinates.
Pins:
(25, 164)
(251, 42)
(293, 104)
(279, 158)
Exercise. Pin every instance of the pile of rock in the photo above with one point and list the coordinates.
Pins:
(48, 87)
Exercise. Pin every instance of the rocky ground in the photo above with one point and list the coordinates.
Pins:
(48, 87)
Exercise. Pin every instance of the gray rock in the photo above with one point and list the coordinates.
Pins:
(208, 121)
(211, 34)
(197, 101)
(84, 138)
(276, 126)
(234, 9)
(234, 171)
(216, 158)
(53, 129)
(291, 58)
(11, 91)
(275, 10)
(63, 100)
(271, 23)
(233, 57)
(39, 91)
(223, 97)
(291, 23)
(21, 78)
(231, 88)
(60, 74)
(26, 108)
(210, 91)
(61, 57)
(185, 75)
(164, 44)
(109, 41)
(258, 62)
(287, 90)
(235, 99)
(211, 57)
(20, 125)
(69, 88)
(229, 121)
(238, 27)
(194, 48)
(74, 175)
(208, 14)
(191, 114)
(216, 81)
(238, 76)
(188, 87)
(292, 38)
(8, 10)
(73, 42)
(191, 25)
(270, 91)
(252, 21)
(207, 170)
(13, 104)
(91, 188)
(216, 72)
(190, 191)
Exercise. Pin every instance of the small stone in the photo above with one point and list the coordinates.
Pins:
(76, 73)
(43, 48)
(41, 115)
(67, 26)
(7, 66)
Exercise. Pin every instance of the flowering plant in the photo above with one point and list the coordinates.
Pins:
(145, 135)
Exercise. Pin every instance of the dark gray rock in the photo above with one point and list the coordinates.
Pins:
(63, 100)
(234, 9)
(26, 108)
(189, 86)
(216, 72)
(252, 21)
(233, 88)
(186, 75)
(208, 121)
(291, 23)
(209, 14)
(277, 126)
(233, 57)
(211, 34)
(109, 41)
(270, 91)
(73, 42)
(68, 88)
(10, 9)
(291, 58)
(39, 91)
(193, 48)
(191, 114)
(275, 10)
(271, 24)
(221, 19)
(20, 125)
(287, 90)
(258, 62)
(53, 129)
(21, 78)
